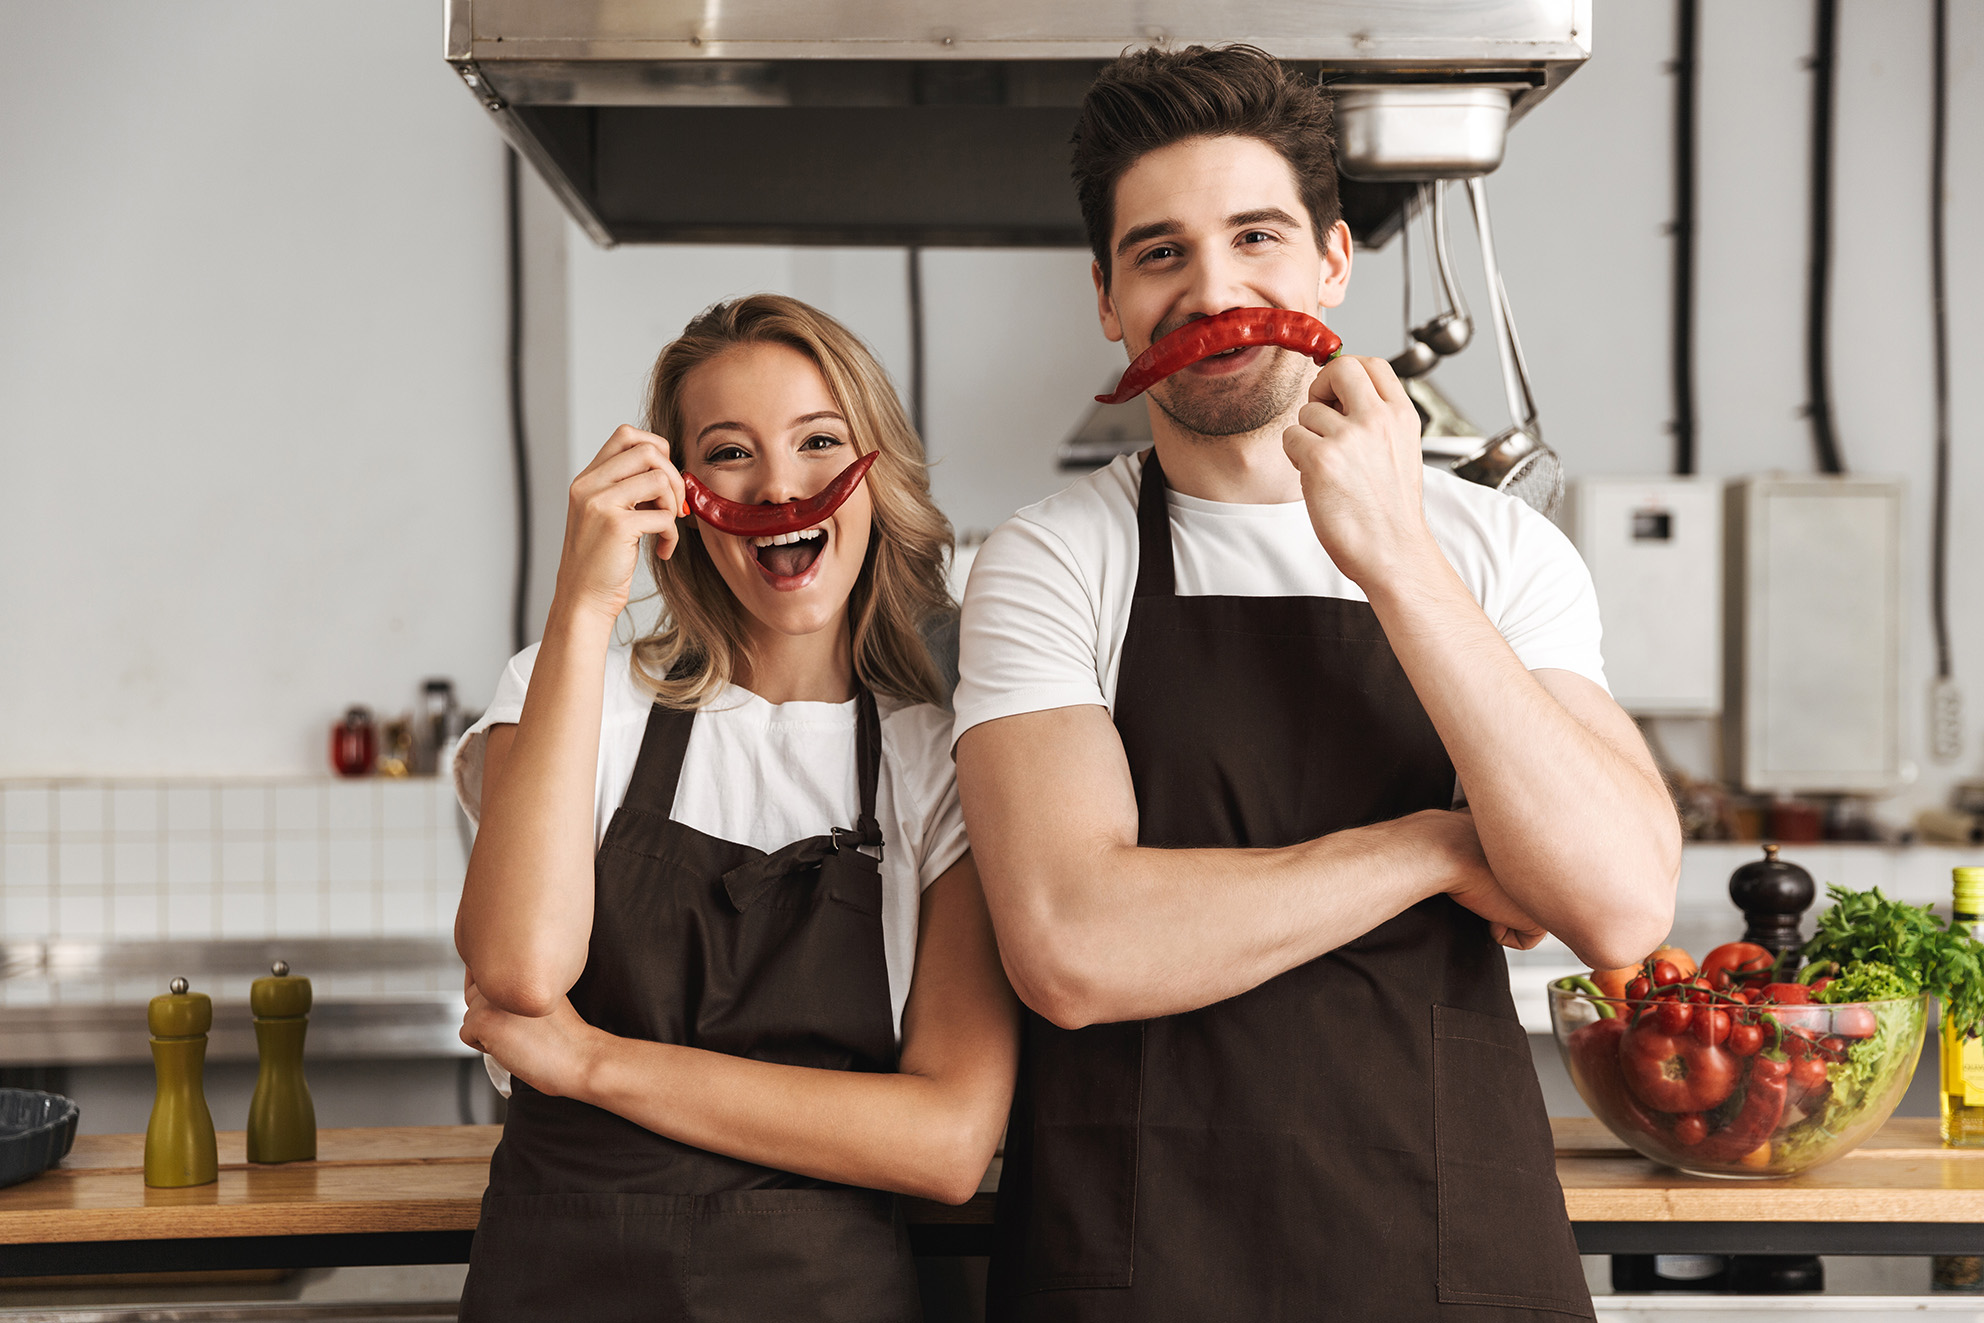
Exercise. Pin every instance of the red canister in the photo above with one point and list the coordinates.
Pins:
(354, 743)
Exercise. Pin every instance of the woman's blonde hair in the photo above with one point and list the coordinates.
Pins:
(695, 648)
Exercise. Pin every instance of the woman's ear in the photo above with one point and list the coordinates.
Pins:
(1105, 307)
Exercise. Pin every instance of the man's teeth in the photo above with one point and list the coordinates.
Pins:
(803, 535)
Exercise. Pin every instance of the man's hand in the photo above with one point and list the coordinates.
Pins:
(1356, 445)
(1474, 886)
(551, 1053)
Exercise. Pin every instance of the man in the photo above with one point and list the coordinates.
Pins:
(1216, 705)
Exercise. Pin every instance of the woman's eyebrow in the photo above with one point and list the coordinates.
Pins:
(724, 427)
(806, 418)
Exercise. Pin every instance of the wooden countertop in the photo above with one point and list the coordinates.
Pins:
(431, 1179)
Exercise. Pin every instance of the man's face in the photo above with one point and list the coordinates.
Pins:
(1201, 226)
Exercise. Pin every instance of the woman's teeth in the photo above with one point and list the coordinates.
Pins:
(804, 535)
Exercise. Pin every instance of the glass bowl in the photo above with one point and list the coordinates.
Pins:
(1821, 1080)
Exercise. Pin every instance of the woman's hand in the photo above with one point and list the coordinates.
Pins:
(551, 1053)
(628, 490)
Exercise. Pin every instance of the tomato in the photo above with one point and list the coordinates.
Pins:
(1711, 1026)
(1787, 994)
(1698, 991)
(1852, 1021)
(1672, 1016)
(1808, 1080)
(1674, 1073)
(1744, 995)
(1737, 961)
(1691, 1129)
(1637, 989)
(1665, 973)
(1745, 1039)
(1833, 1045)
(1684, 964)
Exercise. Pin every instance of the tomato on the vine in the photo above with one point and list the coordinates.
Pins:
(1691, 1129)
(1711, 1026)
(1672, 1016)
(1745, 1039)
(1738, 961)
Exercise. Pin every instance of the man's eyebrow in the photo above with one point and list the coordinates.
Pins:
(1137, 234)
(1262, 216)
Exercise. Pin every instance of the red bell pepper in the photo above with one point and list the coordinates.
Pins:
(1676, 1072)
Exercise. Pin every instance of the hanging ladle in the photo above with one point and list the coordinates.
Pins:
(1448, 331)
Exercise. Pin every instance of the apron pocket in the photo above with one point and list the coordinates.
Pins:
(1080, 1216)
(1504, 1238)
(552, 1257)
(827, 1255)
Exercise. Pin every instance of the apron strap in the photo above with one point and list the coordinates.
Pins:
(1154, 573)
(658, 766)
(748, 883)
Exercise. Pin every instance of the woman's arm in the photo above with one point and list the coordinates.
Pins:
(526, 911)
(928, 1130)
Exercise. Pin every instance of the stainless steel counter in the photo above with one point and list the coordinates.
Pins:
(83, 1003)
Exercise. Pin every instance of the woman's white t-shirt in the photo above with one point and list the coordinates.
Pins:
(767, 774)
(1049, 596)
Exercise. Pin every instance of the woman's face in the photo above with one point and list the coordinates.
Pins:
(760, 426)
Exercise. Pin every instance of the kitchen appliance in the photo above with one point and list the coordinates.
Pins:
(947, 123)
(1654, 549)
(1812, 643)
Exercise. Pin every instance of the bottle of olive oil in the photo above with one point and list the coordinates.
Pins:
(1963, 1059)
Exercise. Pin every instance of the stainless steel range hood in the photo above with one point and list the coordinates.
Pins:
(947, 121)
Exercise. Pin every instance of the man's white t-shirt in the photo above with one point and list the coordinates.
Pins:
(767, 774)
(1049, 596)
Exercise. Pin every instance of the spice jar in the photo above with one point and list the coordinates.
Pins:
(354, 743)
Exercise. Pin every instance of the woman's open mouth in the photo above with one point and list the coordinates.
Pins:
(787, 559)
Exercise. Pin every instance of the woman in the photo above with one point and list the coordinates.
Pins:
(720, 921)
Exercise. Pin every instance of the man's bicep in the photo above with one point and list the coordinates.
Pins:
(1044, 794)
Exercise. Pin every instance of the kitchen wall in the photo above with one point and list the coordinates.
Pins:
(251, 404)
(252, 427)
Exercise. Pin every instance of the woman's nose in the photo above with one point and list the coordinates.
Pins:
(780, 478)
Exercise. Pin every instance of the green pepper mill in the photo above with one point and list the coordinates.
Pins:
(179, 1142)
(282, 1121)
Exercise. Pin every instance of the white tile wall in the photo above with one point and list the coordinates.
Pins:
(131, 861)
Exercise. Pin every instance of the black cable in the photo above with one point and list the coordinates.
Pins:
(1687, 56)
(1818, 375)
(519, 454)
(916, 343)
(1939, 555)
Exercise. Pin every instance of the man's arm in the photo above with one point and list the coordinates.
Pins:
(1572, 813)
(1095, 928)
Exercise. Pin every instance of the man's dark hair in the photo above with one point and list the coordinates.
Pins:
(1151, 98)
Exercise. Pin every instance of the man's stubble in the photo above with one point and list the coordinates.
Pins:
(1223, 407)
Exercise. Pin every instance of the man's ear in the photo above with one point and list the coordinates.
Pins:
(1105, 307)
(1333, 282)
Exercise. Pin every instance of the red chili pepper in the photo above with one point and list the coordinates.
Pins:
(770, 520)
(1233, 329)
(1676, 1073)
(1763, 1107)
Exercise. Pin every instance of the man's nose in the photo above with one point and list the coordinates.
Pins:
(1215, 285)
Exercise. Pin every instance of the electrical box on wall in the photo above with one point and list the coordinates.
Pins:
(1814, 634)
(1654, 548)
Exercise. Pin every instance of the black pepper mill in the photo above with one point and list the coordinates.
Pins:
(1773, 895)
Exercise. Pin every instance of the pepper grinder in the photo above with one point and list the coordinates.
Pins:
(282, 1121)
(1773, 895)
(179, 1142)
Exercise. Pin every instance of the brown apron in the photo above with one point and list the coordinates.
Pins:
(1362, 1137)
(715, 945)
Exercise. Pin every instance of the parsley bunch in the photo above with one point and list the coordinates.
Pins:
(1920, 952)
